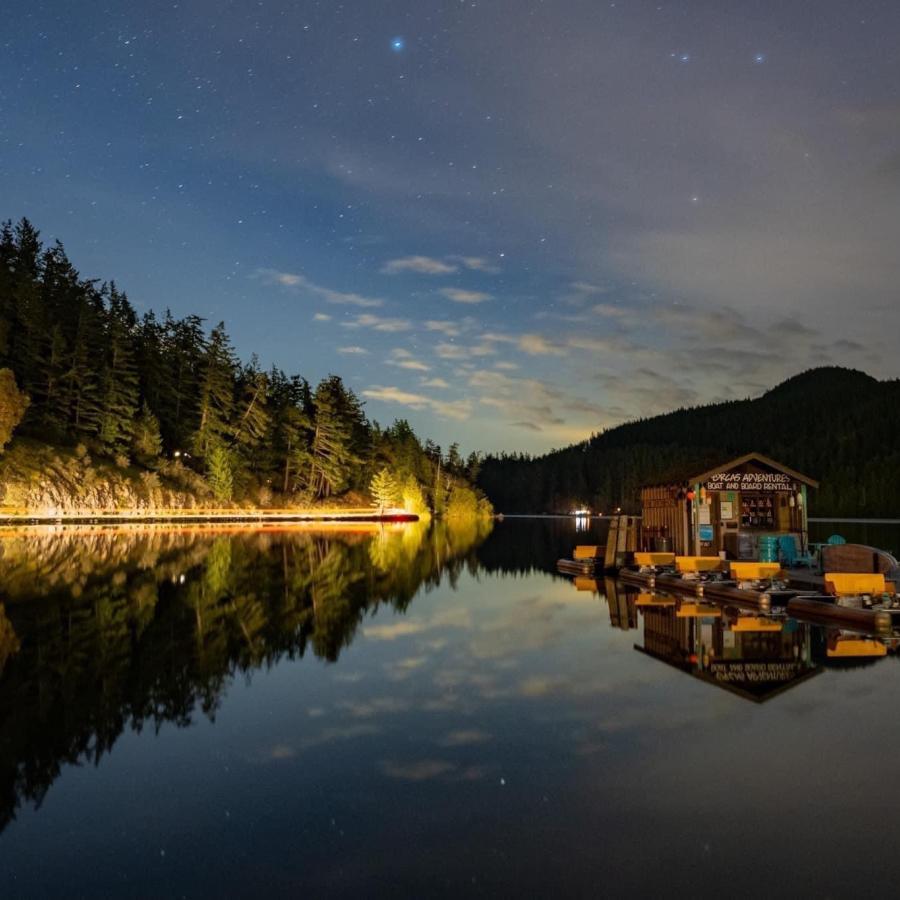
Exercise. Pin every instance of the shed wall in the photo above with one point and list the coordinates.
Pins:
(662, 514)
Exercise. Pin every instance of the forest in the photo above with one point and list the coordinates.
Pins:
(839, 426)
(167, 402)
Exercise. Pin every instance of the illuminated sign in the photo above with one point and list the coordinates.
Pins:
(749, 481)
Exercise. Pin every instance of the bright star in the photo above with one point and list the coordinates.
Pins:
(398, 44)
(759, 58)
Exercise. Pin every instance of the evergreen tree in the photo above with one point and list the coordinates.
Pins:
(286, 448)
(216, 398)
(385, 491)
(336, 443)
(252, 417)
(81, 380)
(119, 387)
(146, 440)
(220, 473)
(184, 349)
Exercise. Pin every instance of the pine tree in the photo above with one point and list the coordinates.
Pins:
(119, 389)
(286, 447)
(80, 383)
(146, 441)
(216, 398)
(151, 360)
(252, 417)
(220, 473)
(384, 488)
(184, 347)
(29, 325)
(335, 448)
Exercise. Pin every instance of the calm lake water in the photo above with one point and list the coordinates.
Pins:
(421, 712)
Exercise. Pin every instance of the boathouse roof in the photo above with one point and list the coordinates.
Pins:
(684, 475)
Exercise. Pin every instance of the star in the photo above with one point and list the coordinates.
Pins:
(398, 44)
(759, 58)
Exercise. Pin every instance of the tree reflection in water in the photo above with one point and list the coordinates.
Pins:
(103, 629)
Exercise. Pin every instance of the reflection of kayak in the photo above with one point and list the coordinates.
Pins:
(853, 647)
(697, 611)
(756, 623)
(653, 600)
(583, 583)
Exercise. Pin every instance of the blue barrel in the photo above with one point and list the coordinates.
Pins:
(768, 548)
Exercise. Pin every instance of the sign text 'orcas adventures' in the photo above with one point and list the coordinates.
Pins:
(749, 481)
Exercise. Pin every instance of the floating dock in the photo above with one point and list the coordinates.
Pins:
(809, 605)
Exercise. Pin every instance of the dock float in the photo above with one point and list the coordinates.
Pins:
(808, 605)
(576, 566)
(821, 611)
(586, 560)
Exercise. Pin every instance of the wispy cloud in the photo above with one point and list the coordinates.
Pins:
(613, 346)
(353, 351)
(422, 265)
(585, 287)
(418, 770)
(479, 264)
(538, 345)
(459, 295)
(378, 323)
(537, 406)
(430, 265)
(499, 338)
(403, 359)
(460, 410)
(579, 292)
(450, 329)
(296, 281)
(465, 738)
(435, 383)
(451, 351)
(321, 317)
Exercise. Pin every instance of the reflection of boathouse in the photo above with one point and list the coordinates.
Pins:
(728, 508)
(748, 655)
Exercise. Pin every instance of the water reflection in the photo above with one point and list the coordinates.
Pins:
(756, 657)
(489, 715)
(752, 655)
(108, 629)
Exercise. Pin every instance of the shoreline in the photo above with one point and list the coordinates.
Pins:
(195, 517)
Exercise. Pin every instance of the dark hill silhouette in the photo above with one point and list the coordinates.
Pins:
(840, 426)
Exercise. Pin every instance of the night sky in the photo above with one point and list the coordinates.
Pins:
(512, 222)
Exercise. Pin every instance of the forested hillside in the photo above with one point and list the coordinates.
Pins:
(837, 425)
(168, 402)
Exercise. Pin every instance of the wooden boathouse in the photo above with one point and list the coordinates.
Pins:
(732, 510)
